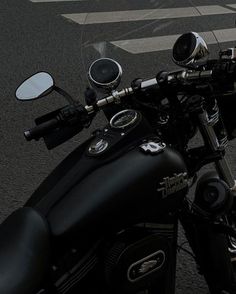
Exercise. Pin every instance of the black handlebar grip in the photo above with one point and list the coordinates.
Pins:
(41, 130)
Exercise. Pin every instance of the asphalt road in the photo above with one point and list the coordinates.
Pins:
(35, 36)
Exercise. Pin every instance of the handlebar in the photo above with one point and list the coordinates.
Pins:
(69, 116)
(78, 113)
(219, 72)
(41, 130)
(179, 76)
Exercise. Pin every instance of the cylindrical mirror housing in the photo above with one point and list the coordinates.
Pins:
(105, 74)
(188, 49)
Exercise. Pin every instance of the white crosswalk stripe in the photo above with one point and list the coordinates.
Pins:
(146, 14)
(156, 43)
(231, 5)
(144, 45)
(48, 1)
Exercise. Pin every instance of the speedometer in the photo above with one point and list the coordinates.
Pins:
(124, 119)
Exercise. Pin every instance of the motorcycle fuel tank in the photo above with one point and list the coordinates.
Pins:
(118, 178)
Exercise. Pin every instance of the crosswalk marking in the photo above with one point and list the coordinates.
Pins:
(160, 43)
(47, 1)
(146, 14)
(232, 5)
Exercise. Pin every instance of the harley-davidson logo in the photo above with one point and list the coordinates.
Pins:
(147, 266)
(173, 184)
(153, 147)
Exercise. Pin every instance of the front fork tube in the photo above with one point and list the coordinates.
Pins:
(209, 245)
(208, 132)
(208, 124)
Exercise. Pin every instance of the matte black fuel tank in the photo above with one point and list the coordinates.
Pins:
(108, 192)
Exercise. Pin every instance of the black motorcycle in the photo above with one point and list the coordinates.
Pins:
(106, 219)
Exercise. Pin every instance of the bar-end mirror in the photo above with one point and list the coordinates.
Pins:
(36, 86)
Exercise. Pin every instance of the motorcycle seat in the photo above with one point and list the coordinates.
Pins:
(24, 252)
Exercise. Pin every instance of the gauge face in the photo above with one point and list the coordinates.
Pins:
(189, 48)
(124, 119)
(105, 73)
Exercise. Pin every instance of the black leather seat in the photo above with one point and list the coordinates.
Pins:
(24, 252)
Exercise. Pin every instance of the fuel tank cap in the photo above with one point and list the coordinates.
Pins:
(124, 119)
(98, 146)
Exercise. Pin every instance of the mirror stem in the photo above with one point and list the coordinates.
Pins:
(65, 94)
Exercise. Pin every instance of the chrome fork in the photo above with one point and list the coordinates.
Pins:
(223, 169)
(222, 166)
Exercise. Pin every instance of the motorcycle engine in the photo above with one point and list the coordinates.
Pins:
(137, 261)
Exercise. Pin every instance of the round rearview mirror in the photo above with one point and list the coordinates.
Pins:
(188, 49)
(36, 86)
